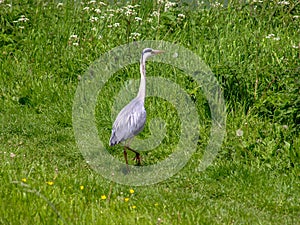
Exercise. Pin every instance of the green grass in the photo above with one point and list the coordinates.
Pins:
(255, 178)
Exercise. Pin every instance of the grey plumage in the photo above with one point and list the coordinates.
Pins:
(129, 122)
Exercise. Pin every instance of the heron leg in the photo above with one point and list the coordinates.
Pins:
(125, 156)
(137, 157)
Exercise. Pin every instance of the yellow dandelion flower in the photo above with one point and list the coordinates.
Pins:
(24, 180)
(103, 197)
(156, 204)
(50, 183)
(126, 199)
(131, 191)
(133, 207)
(81, 187)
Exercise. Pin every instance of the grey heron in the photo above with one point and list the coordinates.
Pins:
(132, 118)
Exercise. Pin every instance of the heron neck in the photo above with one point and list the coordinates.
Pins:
(142, 89)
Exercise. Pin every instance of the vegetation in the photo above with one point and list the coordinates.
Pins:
(253, 48)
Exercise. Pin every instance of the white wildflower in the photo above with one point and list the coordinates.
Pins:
(296, 46)
(109, 26)
(130, 12)
(149, 20)
(258, 141)
(92, 2)
(116, 25)
(270, 36)
(181, 15)
(100, 37)
(129, 7)
(86, 8)
(239, 133)
(73, 36)
(75, 44)
(135, 35)
(94, 29)
(23, 19)
(111, 15)
(97, 10)
(155, 13)
(93, 19)
(59, 4)
(296, 17)
(120, 10)
(138, 19)
(283, 3)
(21, 27)
(169, 5)
(216, 4)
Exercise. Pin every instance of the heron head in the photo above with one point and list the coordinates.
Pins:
(147, 52)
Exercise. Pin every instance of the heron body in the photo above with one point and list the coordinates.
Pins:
(132, 118)
(130, 122)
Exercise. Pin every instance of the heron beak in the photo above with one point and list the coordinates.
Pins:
(157, 51)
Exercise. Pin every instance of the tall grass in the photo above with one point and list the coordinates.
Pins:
(252, 48)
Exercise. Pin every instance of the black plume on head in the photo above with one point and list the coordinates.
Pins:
(147, 50)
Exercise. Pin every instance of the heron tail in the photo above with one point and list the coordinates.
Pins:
(113, 139)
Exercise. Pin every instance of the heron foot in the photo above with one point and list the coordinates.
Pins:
(137, 159)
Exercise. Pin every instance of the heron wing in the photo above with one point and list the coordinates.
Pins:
(129, 122)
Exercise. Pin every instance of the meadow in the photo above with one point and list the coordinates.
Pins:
(253, 49)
